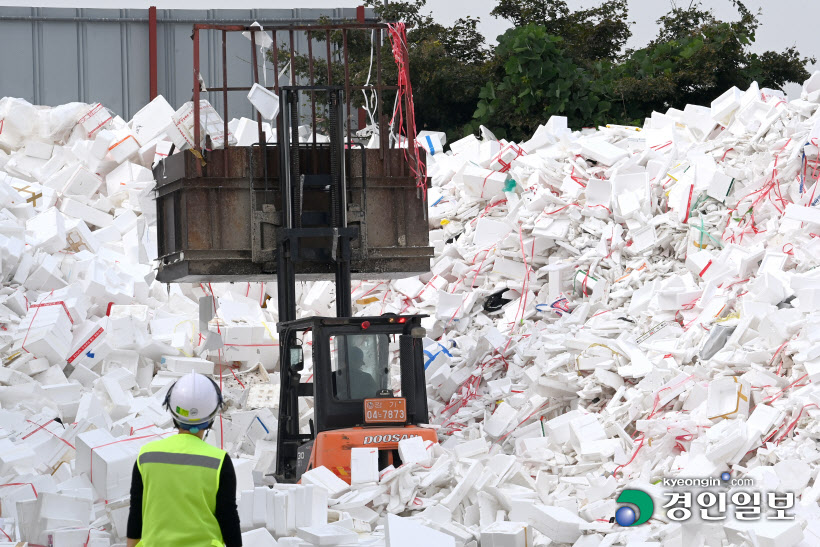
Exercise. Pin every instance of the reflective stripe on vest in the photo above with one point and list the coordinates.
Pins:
(180, 459)
(180, 477)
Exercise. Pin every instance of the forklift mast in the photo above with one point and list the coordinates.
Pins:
(294, 233)
(290, 250)
(338, 394)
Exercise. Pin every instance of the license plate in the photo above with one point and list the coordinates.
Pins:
(385, 411)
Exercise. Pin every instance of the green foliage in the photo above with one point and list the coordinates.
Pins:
(589, 34)
(557, 61)
(539, 80)
(694, 58)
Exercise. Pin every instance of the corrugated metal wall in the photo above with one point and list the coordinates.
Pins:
(53, 56)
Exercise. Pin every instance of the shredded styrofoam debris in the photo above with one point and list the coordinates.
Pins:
(608, 309)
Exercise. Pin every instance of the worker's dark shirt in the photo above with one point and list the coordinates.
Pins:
(226, 514)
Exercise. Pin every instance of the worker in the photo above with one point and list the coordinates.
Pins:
(362, 383)
(183, 490)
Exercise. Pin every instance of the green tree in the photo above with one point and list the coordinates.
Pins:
(537, 80)
(590, 35)
(693, 59)
(557, 61)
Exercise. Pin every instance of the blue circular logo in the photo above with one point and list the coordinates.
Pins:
(725, 476)
(625, 516)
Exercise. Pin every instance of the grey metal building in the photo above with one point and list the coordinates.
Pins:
(53, 56)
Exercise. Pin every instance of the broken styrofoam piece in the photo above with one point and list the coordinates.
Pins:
(265, 101)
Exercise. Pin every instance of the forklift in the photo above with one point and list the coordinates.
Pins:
(321, 210)
(361, 398)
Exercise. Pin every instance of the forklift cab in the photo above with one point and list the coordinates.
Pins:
(367, 385)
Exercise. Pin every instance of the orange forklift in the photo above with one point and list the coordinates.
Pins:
(361, 395)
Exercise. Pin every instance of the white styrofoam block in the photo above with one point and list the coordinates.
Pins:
(259, 537)
(124, 146)
(802, 214)
(329, 534)
(602, 151)
(414, 450)
(457, 495)
(95, 119)
(152, 120)
(184, 365)
(73, 208)
(323, 477)
(500, 420)
(244, 507)
(719, 186)
(557, 523)
(265, 101)
(432, 141)
(82, 182)
(41, 150)
(507, 534)
(510, 268)
(403, 532)
(728, 397)
(472, 448)
(260, 505)
(482, 183)
(364, 464)
(48, 231)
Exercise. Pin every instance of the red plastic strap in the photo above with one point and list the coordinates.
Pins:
(689, 203)
(23, 345)
(22, 484)
(91, 452)
(703, 271)
(116, 144)
(141, 428)
(485, 182)
(56, 303)
(43, 427)
(398, 38)
(235, 377)
(87, 343)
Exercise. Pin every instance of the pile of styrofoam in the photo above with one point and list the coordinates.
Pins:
(607, 308)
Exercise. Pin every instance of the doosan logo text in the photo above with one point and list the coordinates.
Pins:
(377, 439)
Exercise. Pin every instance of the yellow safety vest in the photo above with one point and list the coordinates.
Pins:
(180, 477)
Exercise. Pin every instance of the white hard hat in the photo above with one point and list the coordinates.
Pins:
(194, 399)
